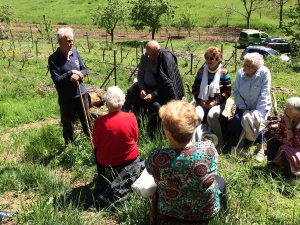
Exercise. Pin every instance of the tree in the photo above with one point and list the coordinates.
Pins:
(108, 16)
(7, 14)
(250, 6)
(188, 22)
(149, 13)
(292, 28)
(280, 3)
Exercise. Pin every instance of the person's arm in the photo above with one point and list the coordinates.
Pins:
(239, 101)
(196, 84)
(141, 72)
(95, 134)
(280, 134)
(57, 76)
(83, 70)
(264, 97)
(226, 88)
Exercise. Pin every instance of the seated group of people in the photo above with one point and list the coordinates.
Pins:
(189, 191)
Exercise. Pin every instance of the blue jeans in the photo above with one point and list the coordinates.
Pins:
(238, 115)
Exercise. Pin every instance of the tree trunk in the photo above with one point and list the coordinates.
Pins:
(248, 20)
(280, 13)
(152, 34)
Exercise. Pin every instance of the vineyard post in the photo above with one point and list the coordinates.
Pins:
(222, 47)
(31, 36)
(115, 65)
(52, 44)
(142, 46)
(88, 43)
(235, 56)
(192, 58)
(36, 50)
(136, 53)
(121, 53)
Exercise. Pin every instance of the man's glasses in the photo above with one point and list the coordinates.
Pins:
(70, 41)
(209, 58)
(248, 66)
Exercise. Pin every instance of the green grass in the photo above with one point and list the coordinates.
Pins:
(79, 12)
(50, 181)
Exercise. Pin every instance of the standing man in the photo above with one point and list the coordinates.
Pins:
(159, 80)
(67, 68)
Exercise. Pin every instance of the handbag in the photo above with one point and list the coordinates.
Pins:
(145, 185)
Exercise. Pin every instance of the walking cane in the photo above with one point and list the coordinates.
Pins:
(83, 108)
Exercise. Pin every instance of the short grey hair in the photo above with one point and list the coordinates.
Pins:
(62, 31)
(294, 103)
(114, 98)
(155, 45)
(255, 58)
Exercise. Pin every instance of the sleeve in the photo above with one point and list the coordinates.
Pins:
(168, 77)
(96, 133)
(57, 76)
(83, 68)
(239, 101)
(196, 85)
(135, 128)
(280, 132)
(141, 71)
(226, 88)
(265, 91)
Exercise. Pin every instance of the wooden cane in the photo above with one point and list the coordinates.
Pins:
(83, 108)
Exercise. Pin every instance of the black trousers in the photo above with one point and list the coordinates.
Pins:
(68, 112)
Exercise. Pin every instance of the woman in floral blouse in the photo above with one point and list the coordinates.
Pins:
(284, 148)
(188, 188)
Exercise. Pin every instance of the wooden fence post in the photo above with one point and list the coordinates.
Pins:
(115, 65)
(31, 36)
(88, 43)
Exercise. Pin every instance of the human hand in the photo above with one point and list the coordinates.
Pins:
(149, 97)
(81, 76)
(74, 78)
(287, 120)
(143, 94)
(203, 103)
(212, 104)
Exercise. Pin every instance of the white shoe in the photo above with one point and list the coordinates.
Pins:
(260, 155)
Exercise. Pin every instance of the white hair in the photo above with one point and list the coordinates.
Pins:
(255, 58)
(114, 98)
(294, 103)
(63, 31)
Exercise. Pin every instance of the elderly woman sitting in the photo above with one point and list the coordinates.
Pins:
(251, 92)
(188, 188)
(284, 148)
(115, 135)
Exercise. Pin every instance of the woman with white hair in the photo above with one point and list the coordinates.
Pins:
(284, 148)
(251, 92)
(115, 135)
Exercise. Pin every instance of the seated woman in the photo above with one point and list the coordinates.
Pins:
(251, 92)
(188, 188)
(211, 88)
(284, 148)
(115, 135)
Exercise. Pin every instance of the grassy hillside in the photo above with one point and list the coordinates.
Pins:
(79, 11)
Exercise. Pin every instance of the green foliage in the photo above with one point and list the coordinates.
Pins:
(149, 12)
(7, 14)
(109, 16)
(188, 21)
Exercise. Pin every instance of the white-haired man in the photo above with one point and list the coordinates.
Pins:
(67, 68)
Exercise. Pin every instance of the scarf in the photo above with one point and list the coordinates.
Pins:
(206, 91)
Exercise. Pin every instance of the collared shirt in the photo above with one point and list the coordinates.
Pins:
(253, 92)
(61, 71)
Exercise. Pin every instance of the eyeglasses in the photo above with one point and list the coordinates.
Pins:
(247, 66)
(69, 41)
(209, 58)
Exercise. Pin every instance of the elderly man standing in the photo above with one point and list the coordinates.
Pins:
(67, 71)
(159, 80)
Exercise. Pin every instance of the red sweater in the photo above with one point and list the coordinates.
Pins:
(115, 136)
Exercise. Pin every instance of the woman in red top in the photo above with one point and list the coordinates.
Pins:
(115, 135)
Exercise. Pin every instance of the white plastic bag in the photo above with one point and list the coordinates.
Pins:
(145, 185)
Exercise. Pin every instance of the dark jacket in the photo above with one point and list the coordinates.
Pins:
(169, 82)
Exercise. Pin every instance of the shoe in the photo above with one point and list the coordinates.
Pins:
(260, 155)
(4, 215)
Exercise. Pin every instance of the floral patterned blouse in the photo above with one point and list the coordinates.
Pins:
(185, 180)
(281, 133)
